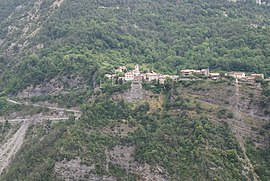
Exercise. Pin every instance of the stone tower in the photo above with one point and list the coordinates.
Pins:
(137, 70)
(137, 67)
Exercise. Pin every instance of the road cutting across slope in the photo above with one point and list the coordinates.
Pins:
(13, 145)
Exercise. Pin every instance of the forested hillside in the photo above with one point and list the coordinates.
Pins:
(165, 35)
(53, 58)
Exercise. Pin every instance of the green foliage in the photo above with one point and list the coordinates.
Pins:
(35, 70)
(103, 110)
(260, 159)
(156, 87)
(68, 100)
(120, 173)
(110, 88)
(177, 141)
(88, 36)
(6, 107)
(224, 113)
(260, 155)
(164, 139)
(4, 130)
(265, 100)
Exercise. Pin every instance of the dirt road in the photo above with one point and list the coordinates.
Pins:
(48, 107)
(12, 146)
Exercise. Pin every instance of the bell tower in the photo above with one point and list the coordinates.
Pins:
(137, 67)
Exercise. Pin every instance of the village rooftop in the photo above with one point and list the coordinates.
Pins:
(136, 75)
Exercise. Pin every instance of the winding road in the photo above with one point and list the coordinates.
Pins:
(13, 145)
(48, 107)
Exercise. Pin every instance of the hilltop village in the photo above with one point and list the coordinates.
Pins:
(136, 75)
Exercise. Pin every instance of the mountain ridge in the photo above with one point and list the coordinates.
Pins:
(64, 120)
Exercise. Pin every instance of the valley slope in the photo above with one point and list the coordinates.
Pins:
(61, 119)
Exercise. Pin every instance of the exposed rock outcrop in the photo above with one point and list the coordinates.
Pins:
(76, 170)
(123, 157)
(54, 86)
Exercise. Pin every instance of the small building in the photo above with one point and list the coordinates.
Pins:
(205, 72)
(136, 71)
(152, 76)
(259, 76)
(197, 72)
(162, 78)
(113, 76)
(187, 72)
(129, 76)
(237, 75)
(121, 69)
(174, 77)
(249, 79)
(108, 76)
(140, 77)
(214, 76)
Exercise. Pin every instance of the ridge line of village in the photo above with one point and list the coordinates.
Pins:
(136, 75)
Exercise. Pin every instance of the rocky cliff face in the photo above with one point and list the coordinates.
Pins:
(55, 126)
(221, 102)
(23, 24)
(259, 2)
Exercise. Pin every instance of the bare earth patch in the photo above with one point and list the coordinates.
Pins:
(76, 170)
(54, 86)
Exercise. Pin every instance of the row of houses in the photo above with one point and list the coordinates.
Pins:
(205, 72)
(136, 75)
(237, 75)
(246, 78)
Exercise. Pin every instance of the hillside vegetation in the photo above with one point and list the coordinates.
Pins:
(53, 57)
(195, 134)
(85, 36)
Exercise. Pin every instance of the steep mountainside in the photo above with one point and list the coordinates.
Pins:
(196, 130)
(65, 36)
(61, 119)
